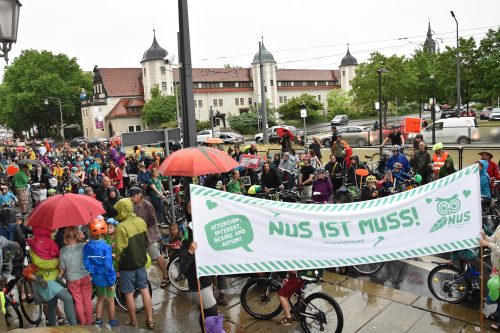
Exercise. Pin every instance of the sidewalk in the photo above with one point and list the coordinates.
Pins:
(367, 307)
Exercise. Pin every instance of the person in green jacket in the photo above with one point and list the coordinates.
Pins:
(448, 168)
(21, 180)
(235, 185)
(131, 237)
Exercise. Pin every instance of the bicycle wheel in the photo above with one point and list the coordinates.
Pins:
(120, 297)
(31, 311)
(259, 298)
(321, 313)
(448, 284)
(177, 279)
(367, 269)
(12, 317)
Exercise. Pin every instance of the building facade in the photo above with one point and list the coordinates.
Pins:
(120, 93)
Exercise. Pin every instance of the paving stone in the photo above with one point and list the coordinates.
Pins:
(435, 323)
(397, 317)
(381, 291)
(456, 311)
(360, 308)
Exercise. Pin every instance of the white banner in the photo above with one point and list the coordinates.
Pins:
(240, 234)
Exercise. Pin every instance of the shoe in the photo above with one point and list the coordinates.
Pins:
(98, 322)
(132, 324)
(150, 324)
(113, 323)
(285, 322)
(62, 321)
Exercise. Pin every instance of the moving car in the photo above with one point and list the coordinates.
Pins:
(485, 113)
(202, 135)
(495, 114)
(353, 135)
(340, 119)
(471, 113)
(445, 114)
(232, 138)
(453, 130)
(273, 136)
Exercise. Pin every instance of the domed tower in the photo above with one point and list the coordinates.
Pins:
(270, 83)
(156, 70)
(347, 70)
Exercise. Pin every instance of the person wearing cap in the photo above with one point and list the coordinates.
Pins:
(439, 158)
(306, 178)
(145, 210)
(492, 166)
(369, 190)
(322, 188)
(418, 138)
(143, 176)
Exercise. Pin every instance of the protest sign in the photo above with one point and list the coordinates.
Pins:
(240, 234)
(413, 125)
(250, 161)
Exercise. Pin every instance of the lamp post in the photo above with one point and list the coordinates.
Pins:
(9, 22)
(303, 115)
(433, 110)
(380, 71)
(60, 113)
(458, 69)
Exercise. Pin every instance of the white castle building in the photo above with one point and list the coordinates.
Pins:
(120, 93)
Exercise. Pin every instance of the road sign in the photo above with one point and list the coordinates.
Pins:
(413, 125)
(150, 137)
(303, 113)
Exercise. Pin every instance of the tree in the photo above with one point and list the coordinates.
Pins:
(487, 67)
(159, 109)
(291, 110)
(247, 123)
(33, 77)
(339, 102)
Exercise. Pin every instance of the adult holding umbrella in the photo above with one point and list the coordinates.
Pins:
(286, 139)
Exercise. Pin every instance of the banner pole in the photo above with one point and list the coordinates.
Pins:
(201, 306)
(481, 317)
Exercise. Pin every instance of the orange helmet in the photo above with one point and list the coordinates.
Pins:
(98, 227)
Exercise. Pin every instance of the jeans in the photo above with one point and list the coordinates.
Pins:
(82, 295)
(69, 309)
(158, 205)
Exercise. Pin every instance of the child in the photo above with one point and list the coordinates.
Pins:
(77, 277)
(98, 260)
(174, 242)
(109, 238)
(399, 176)
(7, 198)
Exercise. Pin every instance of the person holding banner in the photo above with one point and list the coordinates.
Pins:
(306, 178)
(270, 178)
(322, 188)
(421, 162)
(235, 184)
(369, 191)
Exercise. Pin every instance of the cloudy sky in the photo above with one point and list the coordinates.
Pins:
(300, 33)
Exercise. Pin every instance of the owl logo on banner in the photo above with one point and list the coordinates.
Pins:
(449, 209)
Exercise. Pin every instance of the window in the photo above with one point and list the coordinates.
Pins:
(343, 73)
(131, 129)
(164, 86)
(286, 83)
(310, 83)
(281, 99)
(144, 71)
(249, 101)
(272, 83)
(210, 85)
(335, 83)
(228, 84)
(200, 103)
(215, 103)
(285, 99)
(236, 101)
(245, 84)
(242, 101)
(321, 83)
(162, 70)
(298, 84)
(138, 128)
(319, 98)
(221, 104)
(195, 104)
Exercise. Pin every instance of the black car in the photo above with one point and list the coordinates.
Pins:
(448, 114)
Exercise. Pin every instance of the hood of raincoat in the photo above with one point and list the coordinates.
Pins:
(42, 244)
(485, 167)
(113, 189)
(125, 209)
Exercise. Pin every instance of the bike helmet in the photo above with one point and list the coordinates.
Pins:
(396, 126)
(98, 227)
(319, 170)
(396, 147)
(134, 190)
(438, 146)
(371, 178)
(398, 165)
(387, 153)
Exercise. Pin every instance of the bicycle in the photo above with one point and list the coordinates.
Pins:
(120, 297)
(316, 312)
(452, 284)
(12, 316)
(177, 279)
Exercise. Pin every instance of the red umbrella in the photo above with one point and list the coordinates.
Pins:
(282, 131)
(117, 140)
(65, 210)
(12, 170)
(197, 161)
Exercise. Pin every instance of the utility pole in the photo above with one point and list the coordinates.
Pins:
(433, 110)
(458, 69)
(263, 106)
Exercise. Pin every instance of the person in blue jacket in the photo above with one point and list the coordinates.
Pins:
(397, 157)
(98, 260)
(484, 181)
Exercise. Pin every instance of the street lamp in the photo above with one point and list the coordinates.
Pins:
(60, 113)
(458, 68)
(9, 22)
(380, 71)
(433, 110)
(303, 115)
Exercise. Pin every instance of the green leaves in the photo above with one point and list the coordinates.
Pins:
(160, 108)
(291, 110)
(439, 224)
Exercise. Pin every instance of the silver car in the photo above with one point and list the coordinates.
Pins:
(353, 135)
(232, 138)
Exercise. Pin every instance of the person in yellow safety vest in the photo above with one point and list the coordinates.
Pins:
(439, 158)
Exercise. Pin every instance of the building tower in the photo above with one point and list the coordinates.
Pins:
(270, 82)
(156, 70)
(430, 43)
(347, 70)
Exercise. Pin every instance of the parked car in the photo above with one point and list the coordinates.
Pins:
(453, 130)
(485, 113)
(202, 135)
(340, 119)
(353, 135)
(471, 113)
(445, 114)
(495, 114)
(232, 138)
(273, 135)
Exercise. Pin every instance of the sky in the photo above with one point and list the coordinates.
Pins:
(300, 33)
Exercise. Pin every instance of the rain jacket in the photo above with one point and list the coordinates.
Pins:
(401, 159)
(484, 180)
(109, 203)
(98, 260)
(444, 171)
(325, 187)
(131, 236)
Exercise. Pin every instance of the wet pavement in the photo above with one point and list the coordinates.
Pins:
(367, 306)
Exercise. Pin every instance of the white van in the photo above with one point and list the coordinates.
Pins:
(453, 130)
